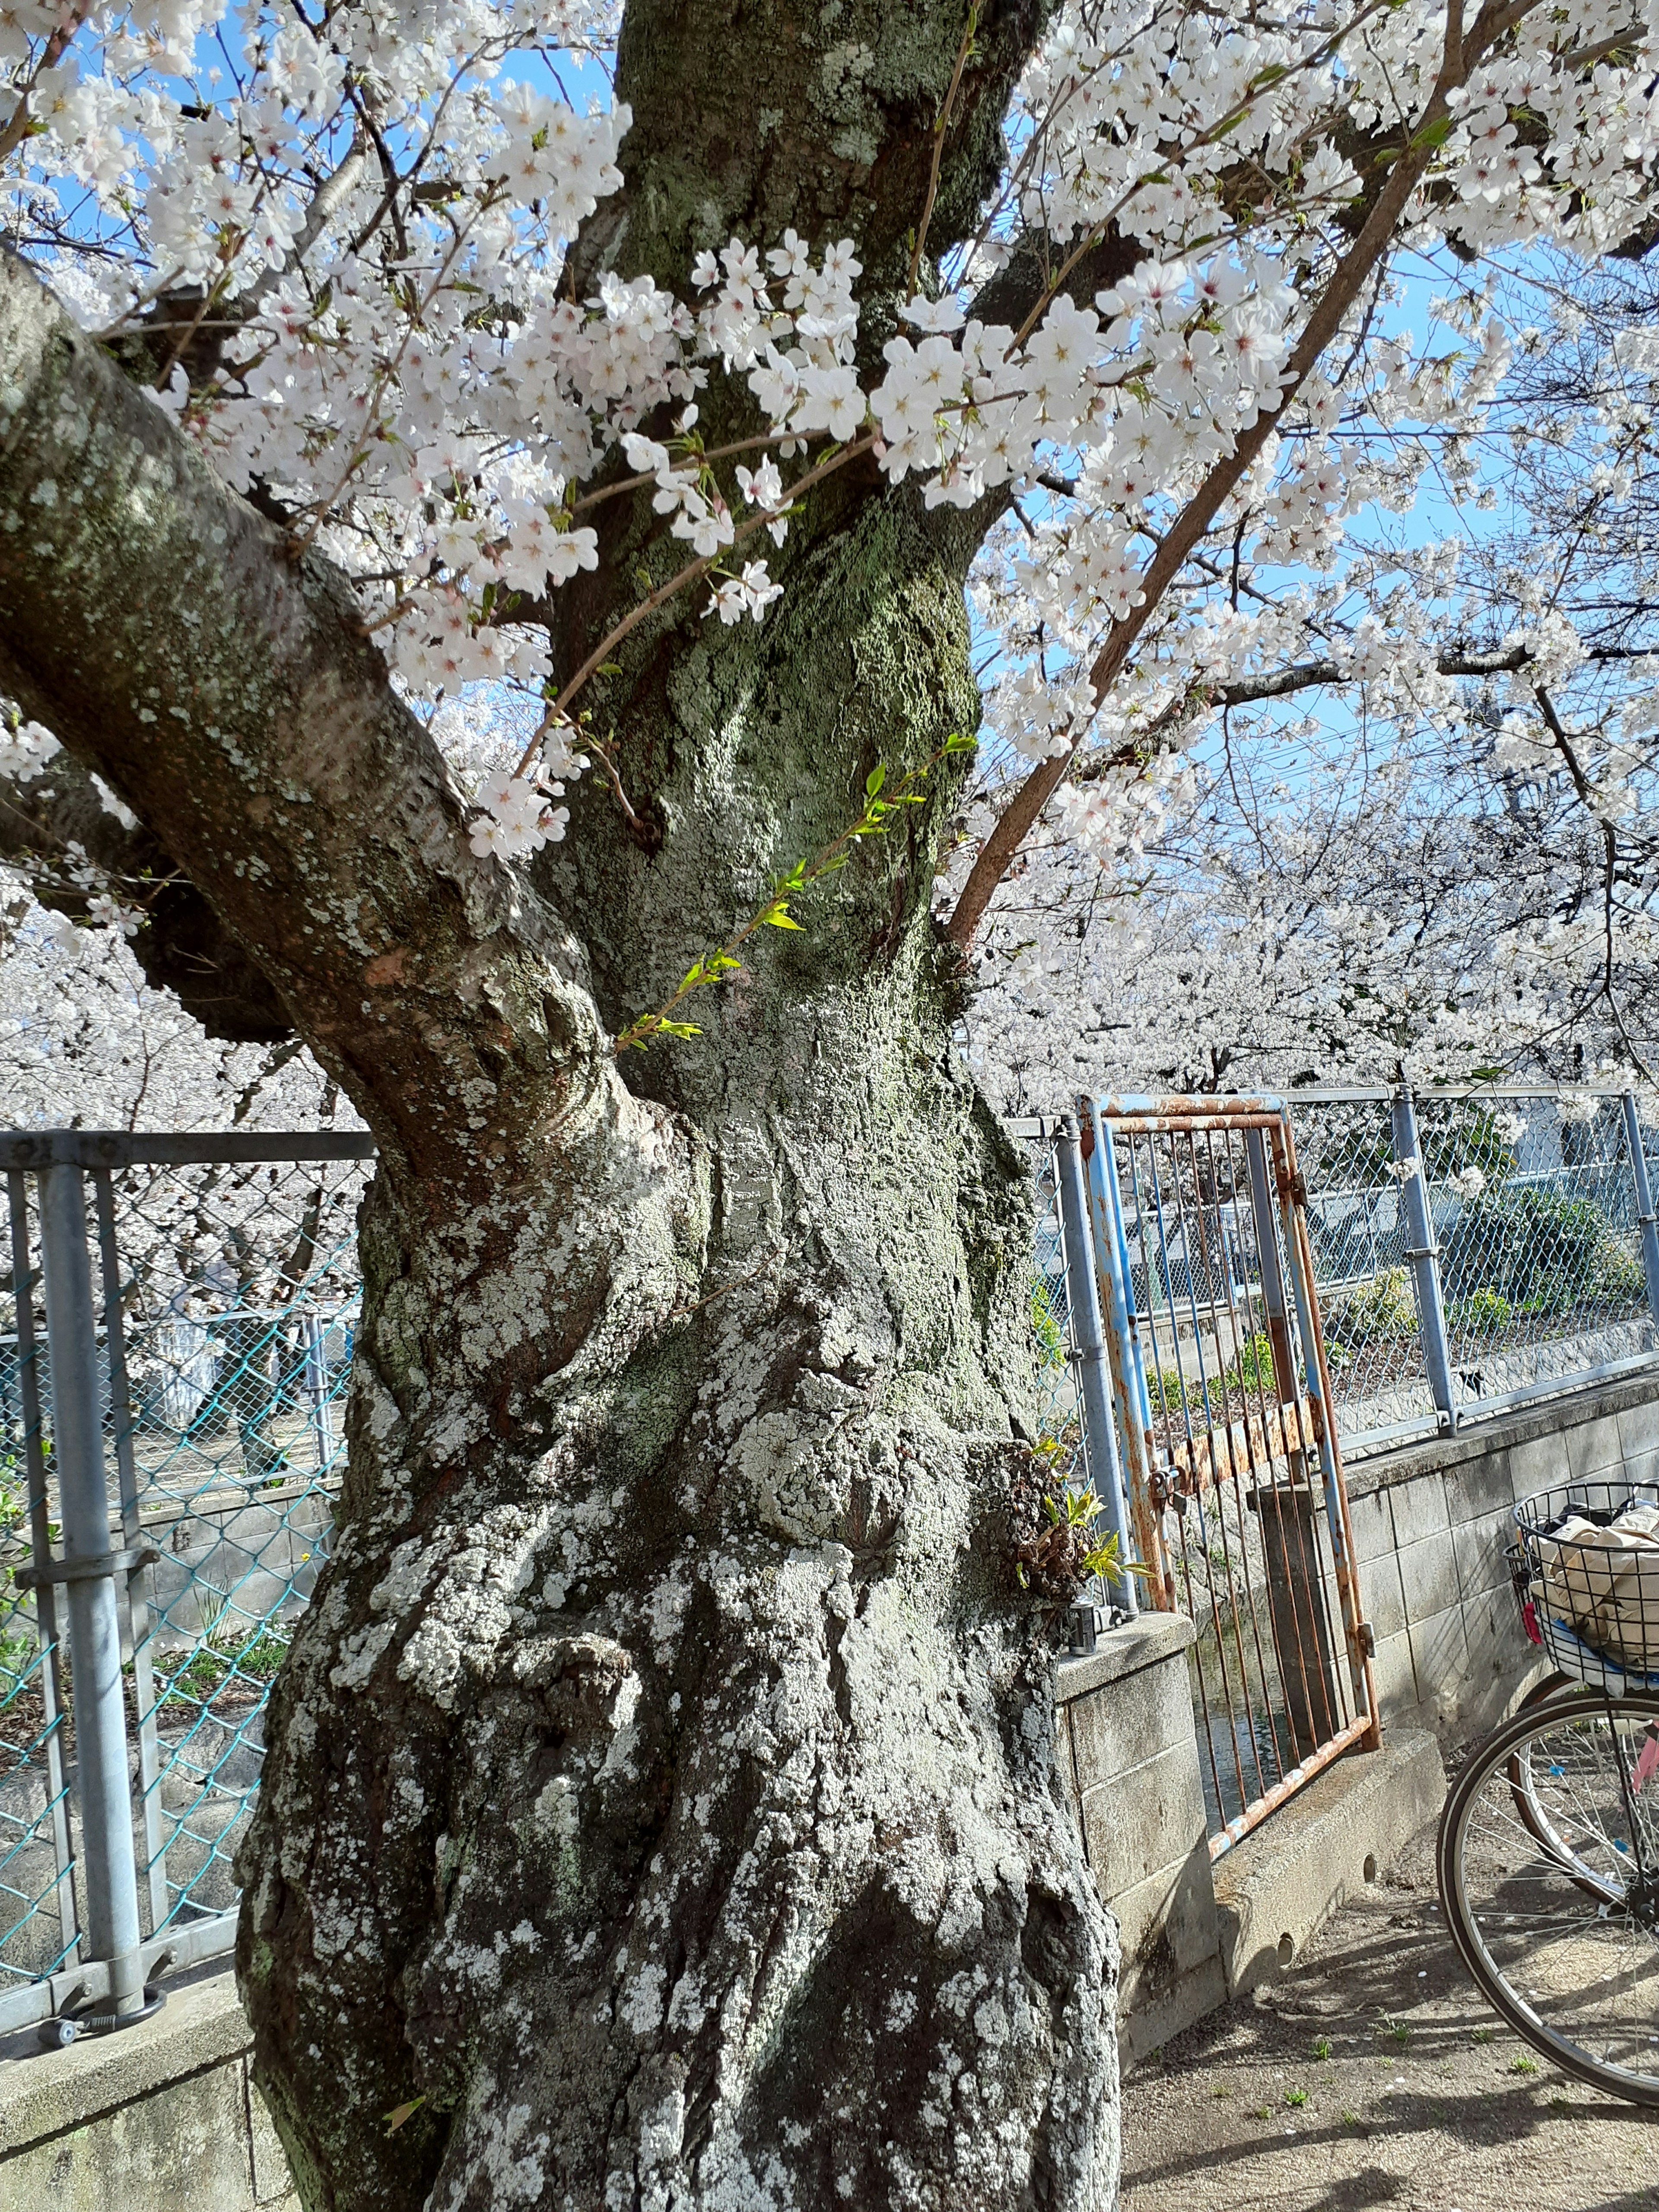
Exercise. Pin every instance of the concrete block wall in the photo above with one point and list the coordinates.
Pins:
(163, 2117)
(1129, 1752)
(1430, 1526)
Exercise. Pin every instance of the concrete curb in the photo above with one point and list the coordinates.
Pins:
(162, 2115)
(1277, 1888)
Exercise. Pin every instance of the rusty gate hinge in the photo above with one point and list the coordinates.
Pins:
(1364, 1639)
(1298, 1188)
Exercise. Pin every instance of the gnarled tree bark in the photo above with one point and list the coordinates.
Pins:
(661, 1796)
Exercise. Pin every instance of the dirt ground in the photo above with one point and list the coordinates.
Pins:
(1372, 2075)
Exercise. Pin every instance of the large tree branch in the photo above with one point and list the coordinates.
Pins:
(152, 620)
(1460, 56)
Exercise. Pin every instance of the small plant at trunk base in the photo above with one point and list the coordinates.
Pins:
(715, 966)
(1058, 1547)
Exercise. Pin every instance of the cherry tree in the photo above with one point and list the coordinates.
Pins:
(1422, 843)
(661, 1808)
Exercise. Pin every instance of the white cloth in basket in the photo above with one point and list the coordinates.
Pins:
(1606, 1581)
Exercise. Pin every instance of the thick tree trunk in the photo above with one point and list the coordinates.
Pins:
(663, 1783)
(660, 1809)
(663, 1786)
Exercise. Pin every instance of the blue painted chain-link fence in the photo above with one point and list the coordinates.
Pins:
(1532, 1200)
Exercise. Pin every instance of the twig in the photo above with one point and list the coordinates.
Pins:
(940, 128)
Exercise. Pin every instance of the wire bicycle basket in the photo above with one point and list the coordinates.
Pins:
(1586, 1562)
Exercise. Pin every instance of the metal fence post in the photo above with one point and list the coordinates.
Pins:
(1116, 1290)
(1638, 1168)
(88, 1571)
(316, 1335)
(1424, 1253)
(1088, 1342)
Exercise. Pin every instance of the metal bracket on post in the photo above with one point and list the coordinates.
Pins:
(1424, 1253)
(88, 1574)
(1089, 1340)
(1638, 1168)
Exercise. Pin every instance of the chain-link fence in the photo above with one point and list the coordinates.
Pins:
(1471, 1250)
(1475, 1248)
(174, 1352)
(1357, 1225)
(1536, 1220)
(1060, 1410)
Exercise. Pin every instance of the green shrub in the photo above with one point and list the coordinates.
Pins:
(1539, 1251)
(1482, 1314)
(1385, 1309)
(1253, 1366)
(1167, 1391)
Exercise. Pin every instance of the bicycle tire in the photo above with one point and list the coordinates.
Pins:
(1577, 1938)
(1553, 1684)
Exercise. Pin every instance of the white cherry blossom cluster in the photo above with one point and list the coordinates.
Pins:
(26, 751)
(357, 227)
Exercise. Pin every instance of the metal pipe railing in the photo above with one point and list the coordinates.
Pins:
(1649, 1228)
(1100, 1451)
(88, 1571)
(1424, 1253)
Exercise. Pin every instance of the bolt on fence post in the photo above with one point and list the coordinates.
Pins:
(1100, 1451)
(1424, 1253)
(1638, 1168)
(100, 1730)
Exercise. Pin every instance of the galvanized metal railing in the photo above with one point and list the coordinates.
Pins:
(179, 1325)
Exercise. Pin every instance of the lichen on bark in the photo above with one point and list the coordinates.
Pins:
(660, 1809)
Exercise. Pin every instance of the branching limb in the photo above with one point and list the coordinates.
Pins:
(1460, 55)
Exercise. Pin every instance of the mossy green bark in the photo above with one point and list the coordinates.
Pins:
(660, 1801)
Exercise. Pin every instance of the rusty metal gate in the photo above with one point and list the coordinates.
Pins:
(1223, 1442)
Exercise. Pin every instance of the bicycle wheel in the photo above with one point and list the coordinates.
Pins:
(1562, 1935)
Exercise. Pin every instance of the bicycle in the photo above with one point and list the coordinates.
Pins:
(1549, 1850)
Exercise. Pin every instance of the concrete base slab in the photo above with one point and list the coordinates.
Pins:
(160, 2118)
(1275, 1889)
